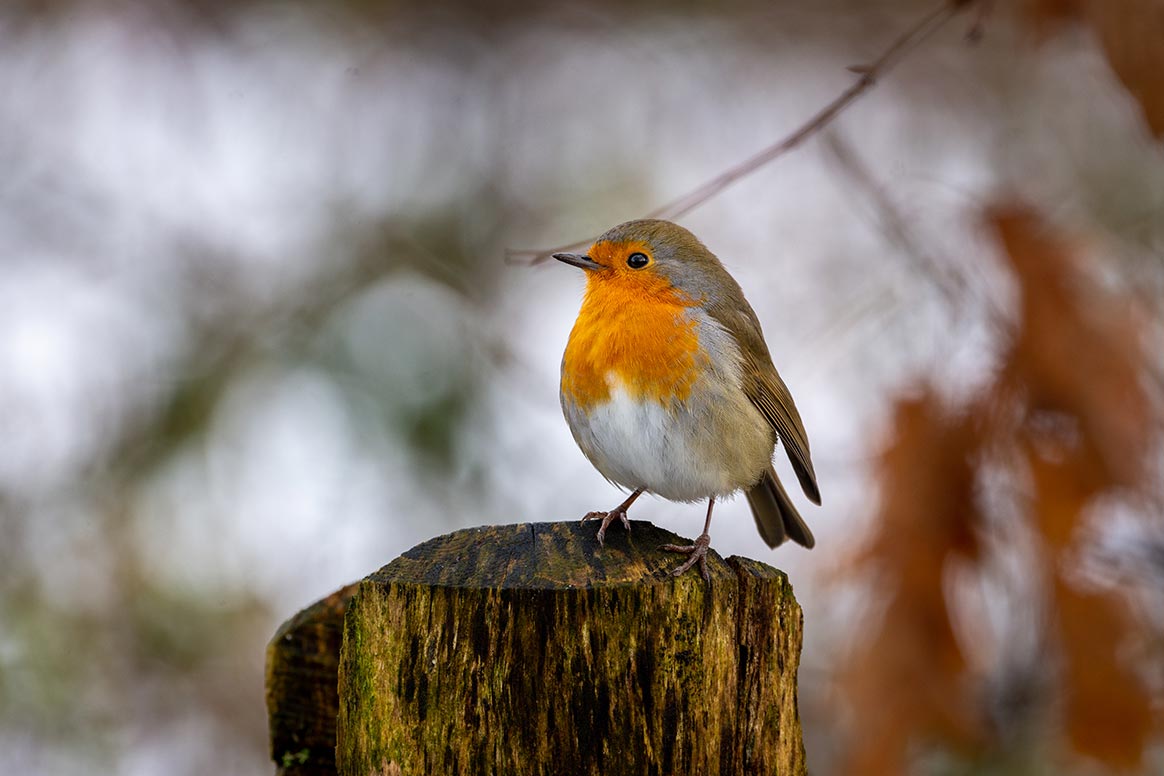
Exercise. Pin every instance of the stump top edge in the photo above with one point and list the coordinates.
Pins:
(325, 609)
(556, 556)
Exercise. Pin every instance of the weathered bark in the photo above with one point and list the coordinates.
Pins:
(529, 649)
(302, 700)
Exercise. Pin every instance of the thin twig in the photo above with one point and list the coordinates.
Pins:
(869, 74)
(893, 222)
(954, 285)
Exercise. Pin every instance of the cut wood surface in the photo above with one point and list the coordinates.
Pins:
(530, 649)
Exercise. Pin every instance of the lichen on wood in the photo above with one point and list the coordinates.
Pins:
(530, 649)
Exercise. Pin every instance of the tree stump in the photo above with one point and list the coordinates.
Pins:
(529, 649)
(302, 697)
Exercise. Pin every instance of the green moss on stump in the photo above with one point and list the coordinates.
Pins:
(529, 649)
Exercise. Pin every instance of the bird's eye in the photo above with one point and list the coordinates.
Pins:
(637, 260)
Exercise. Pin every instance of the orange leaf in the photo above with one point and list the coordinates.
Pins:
(1042, 15)
(1077, 351)
(907, 679)
(1064, 482)
(1132, 35)
(1108, 713)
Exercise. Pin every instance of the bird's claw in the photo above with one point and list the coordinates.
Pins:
(697, 551)
(607, 518)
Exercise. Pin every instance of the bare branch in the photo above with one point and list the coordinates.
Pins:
(893, 222)
(953, 284)
(869, 74)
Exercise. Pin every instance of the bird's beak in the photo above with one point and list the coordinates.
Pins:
(578, 260)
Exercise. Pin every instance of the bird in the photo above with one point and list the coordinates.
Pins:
(668, 386)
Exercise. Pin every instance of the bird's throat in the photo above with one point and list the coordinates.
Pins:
(643, 340)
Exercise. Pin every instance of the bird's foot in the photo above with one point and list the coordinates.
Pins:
(618, 513)
(697, 551)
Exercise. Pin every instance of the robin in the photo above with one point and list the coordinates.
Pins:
(668, 387)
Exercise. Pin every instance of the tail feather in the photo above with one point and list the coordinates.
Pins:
(776, 517)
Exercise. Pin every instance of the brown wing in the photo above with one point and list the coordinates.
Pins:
(765, 389)
(768, 392)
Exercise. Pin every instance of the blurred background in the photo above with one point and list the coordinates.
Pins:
(258, 335)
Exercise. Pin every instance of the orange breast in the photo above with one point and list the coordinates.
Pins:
(635, 327)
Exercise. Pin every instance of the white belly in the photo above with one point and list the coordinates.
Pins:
(713, 447)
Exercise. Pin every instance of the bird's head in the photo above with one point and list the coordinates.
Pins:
(648, 258)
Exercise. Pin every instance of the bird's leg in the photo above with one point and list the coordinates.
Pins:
(698, 550)
(618, 513)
